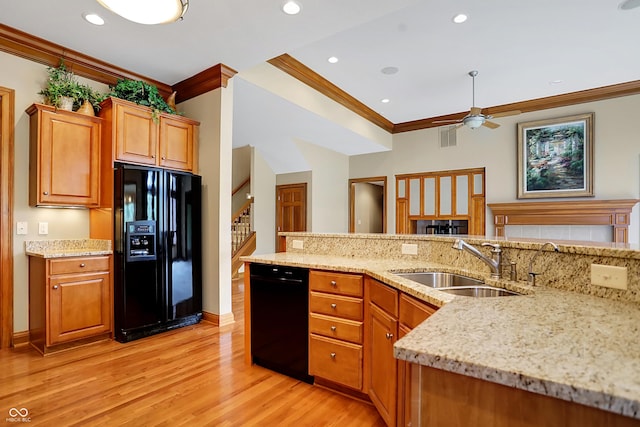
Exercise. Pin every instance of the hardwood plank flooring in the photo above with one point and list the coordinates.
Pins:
(193, 376)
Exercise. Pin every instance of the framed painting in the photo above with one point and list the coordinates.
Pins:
(555, 157)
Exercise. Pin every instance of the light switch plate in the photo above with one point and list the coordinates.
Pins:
(21, 227)
(409, 249)
(43, 228)
(297, 244)
(609, 276)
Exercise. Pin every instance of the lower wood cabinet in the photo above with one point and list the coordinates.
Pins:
(69, 301)
(336, 312)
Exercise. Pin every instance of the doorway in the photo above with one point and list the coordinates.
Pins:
(6, 219)
(367, 205)
(291, 211)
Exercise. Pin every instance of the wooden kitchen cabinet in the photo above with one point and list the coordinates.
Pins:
(383, 320)
(70, 301)
(64, 157)
(336, 328)
(169, 141)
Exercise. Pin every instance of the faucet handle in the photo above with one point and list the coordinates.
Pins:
(495, 247)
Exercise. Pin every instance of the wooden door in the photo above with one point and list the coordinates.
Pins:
(136, 135)
(384, 367)
(176, 144)
(79, 306)
(291, 210)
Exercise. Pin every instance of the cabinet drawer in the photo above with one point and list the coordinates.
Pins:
(334, 327)
(383, 296)
(336, 361)
(413, 312)
(336, 305)
(79, 265)
(336, 283)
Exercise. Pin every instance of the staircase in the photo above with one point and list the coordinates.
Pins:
(243, 239)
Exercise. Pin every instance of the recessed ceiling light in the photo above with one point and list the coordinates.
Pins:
(556, 82)
(93, 19)
(385, 100)
(332, 59)
(291, 8)
(389, 70)
(629, 4)
(459, 18)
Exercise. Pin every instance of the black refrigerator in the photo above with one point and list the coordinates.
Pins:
(158, 247)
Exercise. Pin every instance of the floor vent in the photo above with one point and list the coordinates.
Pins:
(448, 136)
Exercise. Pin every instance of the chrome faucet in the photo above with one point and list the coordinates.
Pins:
(494, 263)
(532, 276)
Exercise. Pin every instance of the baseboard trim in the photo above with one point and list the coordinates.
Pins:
(20, 338)
(218, 319)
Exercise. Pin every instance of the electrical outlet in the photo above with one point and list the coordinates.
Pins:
(609, 276)
(21, 227)
(297, 244)
(409, 249)
(43, 228)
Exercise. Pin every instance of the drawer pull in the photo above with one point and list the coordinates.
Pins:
(334, 306)
(333, 328)
(333, 283)
(82, 265)
(388, 335)
(332, 355)
(164, 158)
(55, 286)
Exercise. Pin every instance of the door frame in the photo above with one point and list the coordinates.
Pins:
(7, 124)
(281, 242)
(352, 200)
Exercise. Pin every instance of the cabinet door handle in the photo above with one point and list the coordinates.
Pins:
(82, 265)
(388, 335)
(46, 193)
(55, 286)
(153, 156)
(333, 328)
(164, 158)
(334, 306)
(333, 283)
(332, 355)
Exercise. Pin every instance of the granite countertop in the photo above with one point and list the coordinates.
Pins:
(558, 343)
(67, 248)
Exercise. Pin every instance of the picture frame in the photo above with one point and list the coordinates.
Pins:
(555, 157)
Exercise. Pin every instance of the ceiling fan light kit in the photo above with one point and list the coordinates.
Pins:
(148, 12)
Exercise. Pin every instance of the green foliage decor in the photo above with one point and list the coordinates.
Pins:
(141, 93)
(62, 82)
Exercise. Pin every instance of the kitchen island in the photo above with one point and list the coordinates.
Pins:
(555, 340)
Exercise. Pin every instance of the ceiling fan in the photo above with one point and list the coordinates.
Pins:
(475, 118)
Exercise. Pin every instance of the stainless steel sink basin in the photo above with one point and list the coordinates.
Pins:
(479, 291)
(438, 279)
(456, 284)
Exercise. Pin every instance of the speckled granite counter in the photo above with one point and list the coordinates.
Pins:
(550, 341)
(67, 248)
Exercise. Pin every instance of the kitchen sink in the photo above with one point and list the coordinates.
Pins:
(479, 291)
(456, 284)
(438, 279)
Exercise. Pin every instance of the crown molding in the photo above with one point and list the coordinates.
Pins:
(298, 70)
(210, 79)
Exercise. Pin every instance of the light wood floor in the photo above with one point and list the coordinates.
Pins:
(194, 376)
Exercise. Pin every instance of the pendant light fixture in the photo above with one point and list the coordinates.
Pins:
(148, 12)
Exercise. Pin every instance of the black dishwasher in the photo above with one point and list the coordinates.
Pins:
(280, 319)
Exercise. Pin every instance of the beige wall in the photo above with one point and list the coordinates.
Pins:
(263, 187)
(616, 155)
(214, 112)
(27, 79)
(368, 207)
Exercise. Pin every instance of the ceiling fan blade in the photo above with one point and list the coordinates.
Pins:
(447, 121)
(490, 125)
(475, 111)
(506, 113)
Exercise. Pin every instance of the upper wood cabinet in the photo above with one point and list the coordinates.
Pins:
(167, 141)
(64, 159)
(442, 195)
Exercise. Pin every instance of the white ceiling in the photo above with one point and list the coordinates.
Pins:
(519, 47)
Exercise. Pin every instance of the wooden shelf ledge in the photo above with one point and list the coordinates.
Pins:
(616, 213)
